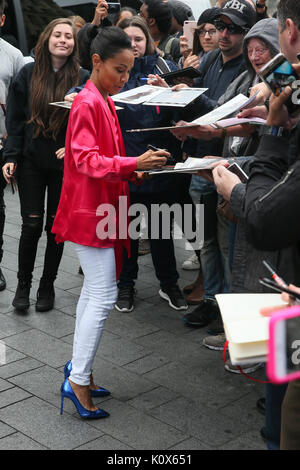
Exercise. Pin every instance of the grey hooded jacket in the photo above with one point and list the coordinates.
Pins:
(265, 30)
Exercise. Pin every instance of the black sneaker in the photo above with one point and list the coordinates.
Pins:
(216, 326)
(174, 296)
(203, 315)
(125, 301)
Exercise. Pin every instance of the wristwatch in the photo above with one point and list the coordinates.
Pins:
(259, 5)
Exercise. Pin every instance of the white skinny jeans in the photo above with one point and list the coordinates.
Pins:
(97, 298)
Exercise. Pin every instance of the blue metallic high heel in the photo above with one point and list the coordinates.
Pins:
(100, 392)
(67, 392)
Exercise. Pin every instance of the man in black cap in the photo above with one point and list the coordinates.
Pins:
(235, 20)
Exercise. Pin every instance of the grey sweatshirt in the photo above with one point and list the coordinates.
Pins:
(11, 60)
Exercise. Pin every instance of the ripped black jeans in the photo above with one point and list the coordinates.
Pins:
(33, 184)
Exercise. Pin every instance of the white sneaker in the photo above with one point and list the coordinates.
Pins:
(192, 263)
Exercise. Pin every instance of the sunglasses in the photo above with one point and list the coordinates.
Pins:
(231, 28)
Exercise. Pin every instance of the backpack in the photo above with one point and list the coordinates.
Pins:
(162, 66)
(168, 48)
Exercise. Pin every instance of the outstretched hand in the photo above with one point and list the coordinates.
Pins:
(225, 181)
(268, 311)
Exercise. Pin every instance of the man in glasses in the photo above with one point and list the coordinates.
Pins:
(219, 69)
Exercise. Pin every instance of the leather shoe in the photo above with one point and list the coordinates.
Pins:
(198, 282)
(204, 314)
(196, 296)
(2, 281)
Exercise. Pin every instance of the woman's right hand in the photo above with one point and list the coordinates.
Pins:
(152, 160)
(156, 80)
(8, 171)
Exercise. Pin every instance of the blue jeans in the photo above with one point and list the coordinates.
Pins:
(213, 264)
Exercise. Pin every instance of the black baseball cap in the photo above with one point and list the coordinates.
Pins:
(208, 16)
(240, 12)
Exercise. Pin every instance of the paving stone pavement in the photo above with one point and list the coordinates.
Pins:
(168, 391)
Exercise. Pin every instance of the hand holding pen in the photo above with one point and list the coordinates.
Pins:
(155, 80)
(280, 285)
(170, 160)
(289, 293)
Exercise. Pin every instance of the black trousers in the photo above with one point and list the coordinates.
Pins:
(162, 250)
(34, 182)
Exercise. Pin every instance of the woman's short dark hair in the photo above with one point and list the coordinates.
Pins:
(109, 42)
(139, 22)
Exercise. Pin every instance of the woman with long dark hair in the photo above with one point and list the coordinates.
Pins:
(95, 178)
(205, 40)
(34, 151)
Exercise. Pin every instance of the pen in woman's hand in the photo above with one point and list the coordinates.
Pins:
(155, 149)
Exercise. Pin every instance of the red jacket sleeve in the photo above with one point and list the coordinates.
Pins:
(88, 156)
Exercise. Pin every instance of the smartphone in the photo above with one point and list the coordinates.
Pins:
(283, 362)
(188, 31)
(277, 74)
(113, 7)
(273, 285)
(237, 170)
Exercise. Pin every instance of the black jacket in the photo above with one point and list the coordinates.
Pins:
(20, 142)
(217, 78)
(272, 203)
